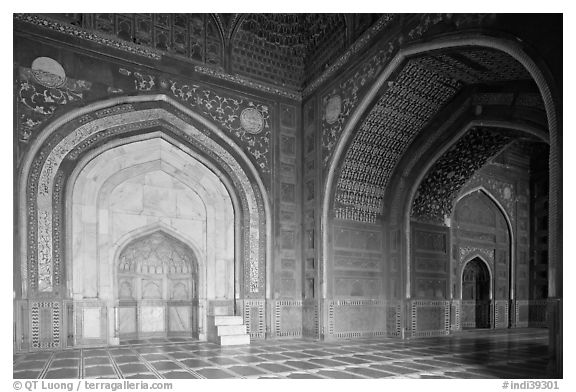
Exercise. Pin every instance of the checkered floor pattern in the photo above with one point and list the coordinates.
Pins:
(517, 353)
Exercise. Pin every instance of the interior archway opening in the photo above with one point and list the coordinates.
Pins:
(154, 239)
(476, 295)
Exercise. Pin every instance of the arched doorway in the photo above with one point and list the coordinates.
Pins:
(157, 280)
(481, 234)
(476, 295)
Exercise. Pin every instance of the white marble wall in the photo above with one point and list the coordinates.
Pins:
(134, 189)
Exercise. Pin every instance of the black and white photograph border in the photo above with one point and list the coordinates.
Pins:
(271, 194)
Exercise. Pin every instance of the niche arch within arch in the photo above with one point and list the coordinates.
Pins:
(157, 287)
(54, 167)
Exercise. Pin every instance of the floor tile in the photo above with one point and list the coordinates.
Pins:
(94, 371)
(37, 356)
(249, 359)
(223, 361)
(393, 369)
(317, 353)
(154, 357)
(29, 365)
(120, 351)
(141, 375)
(165, 365)
(352, 360)
(304, 365)
(369, 358)
(416, 366)
(214, 373)
(95, 353)
(195, 363)
(327, 362)
(133, 368)
(336, 374)
(178, 374)
(96, 361)
(67, 354)
(302, 375)
(62, 373)
(297, 355)
(126, 359)
(274, 357)
(245, 370)
(368, 372)
(59, 363)
(32, 374)
(275, 367)
(182, 355)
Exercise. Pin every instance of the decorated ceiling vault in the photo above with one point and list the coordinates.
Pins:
(322, 176)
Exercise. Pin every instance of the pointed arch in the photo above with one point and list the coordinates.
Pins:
(170, 115)
(508, 46)
(511, 233)
(467, 260)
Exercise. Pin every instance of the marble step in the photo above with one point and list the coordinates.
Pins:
(228, 320)
(233, 340)
(224, 330)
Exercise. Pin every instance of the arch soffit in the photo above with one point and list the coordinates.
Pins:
(425, 165)
(508, 46)
(86, 161)
(108, 175)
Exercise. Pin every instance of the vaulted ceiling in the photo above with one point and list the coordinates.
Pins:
(419, 91)
(433, 200)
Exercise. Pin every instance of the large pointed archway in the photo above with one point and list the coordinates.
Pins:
(123, 141)
(371, 181)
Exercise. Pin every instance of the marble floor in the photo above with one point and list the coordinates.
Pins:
(517, 353)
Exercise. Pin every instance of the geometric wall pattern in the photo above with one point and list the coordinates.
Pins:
(284, 50)
(276, 47)
(192, 36)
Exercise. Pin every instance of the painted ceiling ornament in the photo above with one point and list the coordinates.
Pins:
(333, 109)
(252, 120)
(48, 72)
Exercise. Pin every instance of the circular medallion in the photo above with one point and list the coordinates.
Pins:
(251, 120)
(333, 108)
(48, 72)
